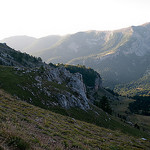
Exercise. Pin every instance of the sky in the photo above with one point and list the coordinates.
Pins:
(40, 18)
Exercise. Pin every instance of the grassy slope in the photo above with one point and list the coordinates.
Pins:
(121, 107)
(95, 116)
(138, 87)
(24, 86)
(28, 127)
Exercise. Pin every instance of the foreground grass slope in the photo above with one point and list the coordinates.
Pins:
(23, 126)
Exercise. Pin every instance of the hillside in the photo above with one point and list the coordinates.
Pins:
(135, 88)
(32, 86)
(42, 43)
(11, 57)
(84, 44)
(24, 126)
(90, 77)
(133, 112)
(120, 56)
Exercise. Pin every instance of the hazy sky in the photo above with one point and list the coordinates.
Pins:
(45, 17)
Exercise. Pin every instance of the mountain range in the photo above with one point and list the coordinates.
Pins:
(120, 56)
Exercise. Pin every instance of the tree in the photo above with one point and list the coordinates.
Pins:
(104, 104)
(39, 59)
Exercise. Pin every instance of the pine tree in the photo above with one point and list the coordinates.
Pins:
(104, 104)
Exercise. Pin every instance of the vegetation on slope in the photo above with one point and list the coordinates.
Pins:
(104, 104)
(11, 57)
(22, 85)
(141, 105)
(88, 74)
(130, 111)
(140, 87)
(24, 127)
(140, 91)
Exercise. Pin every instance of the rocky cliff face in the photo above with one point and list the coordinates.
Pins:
(75, 96)
(52, 87)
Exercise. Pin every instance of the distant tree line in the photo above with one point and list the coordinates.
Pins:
(141, 105)
(24, 57)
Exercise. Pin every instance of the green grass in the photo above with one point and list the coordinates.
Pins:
(121, 107)
(23, 85)
(43, 129)
(17, 142)
(140, 87)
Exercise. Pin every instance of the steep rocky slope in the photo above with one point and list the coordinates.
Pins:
(40, 83)
(45, 86)
(11, 57)
(84, 44)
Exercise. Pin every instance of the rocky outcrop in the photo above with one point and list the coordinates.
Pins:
(78, 87)
(75, 93)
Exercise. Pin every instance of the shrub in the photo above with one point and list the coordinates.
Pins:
(18, 142)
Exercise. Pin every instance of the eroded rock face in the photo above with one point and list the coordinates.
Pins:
(75, 97)
(67, 100)
(59, 74)
(77, 86)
